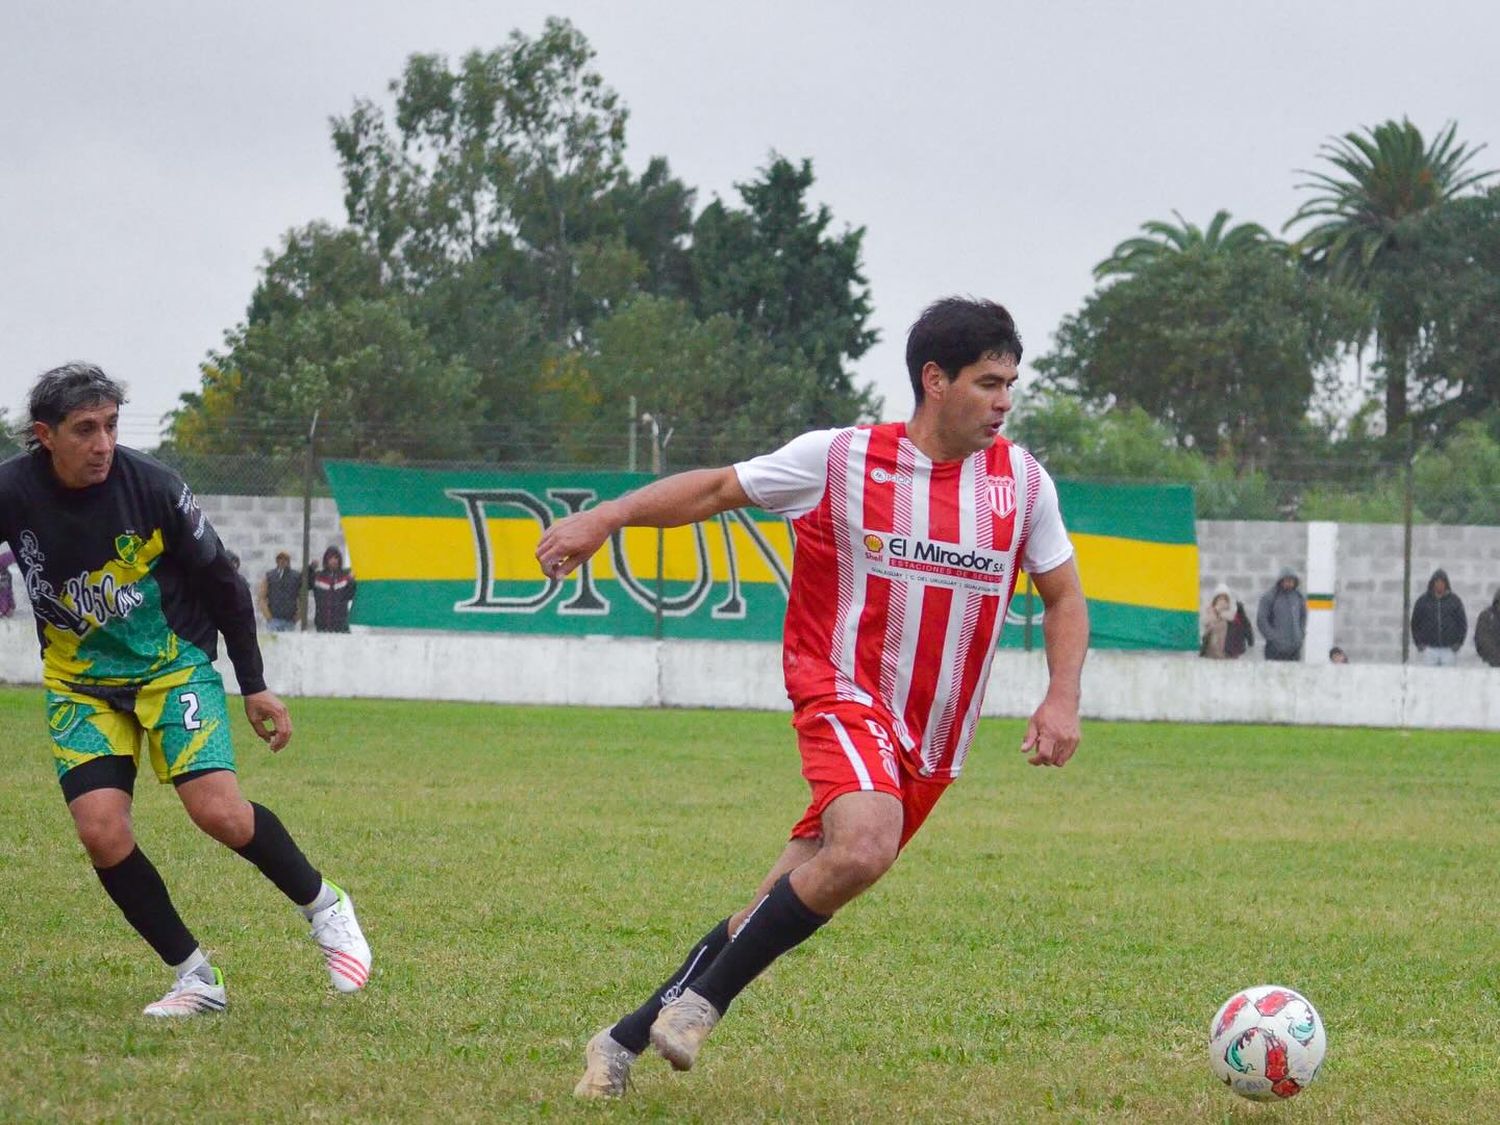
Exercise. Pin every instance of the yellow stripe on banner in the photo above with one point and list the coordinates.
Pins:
(1134, 572)
(1319, 603)
(434, 549)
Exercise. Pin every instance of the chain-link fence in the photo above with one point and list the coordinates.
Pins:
(1363, 530)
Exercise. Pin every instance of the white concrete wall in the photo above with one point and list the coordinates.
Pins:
(628, 672)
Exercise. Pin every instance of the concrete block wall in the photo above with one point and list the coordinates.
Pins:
(1368, 622)
(256, 527)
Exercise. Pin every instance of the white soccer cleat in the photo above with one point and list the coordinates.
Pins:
(345, 951)
(191, 996)
(606, 1070)
(681, 1027)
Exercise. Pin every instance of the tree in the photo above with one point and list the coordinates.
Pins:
(774, 267)
(1134, 255)
(1460, 482)
(317, 267)
(726, 395)
(1226, 349)
(490, 288)
(516, 156)
(1362, 217)
(1089, 443)
(380, 390)
(10, 435)
(1456, 278)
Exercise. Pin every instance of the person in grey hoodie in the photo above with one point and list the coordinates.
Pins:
(1438, 623)
(1282, 618)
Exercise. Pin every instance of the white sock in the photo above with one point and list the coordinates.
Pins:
(327, 896)
(195, 966)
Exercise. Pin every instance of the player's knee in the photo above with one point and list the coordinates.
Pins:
(231, 822)
(863, 861)
(107, 838)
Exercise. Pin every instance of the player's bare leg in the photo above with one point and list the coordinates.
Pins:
(861, 839)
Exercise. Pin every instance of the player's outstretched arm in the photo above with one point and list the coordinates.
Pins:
(269, 718)
(1053, 733)
(674, 501)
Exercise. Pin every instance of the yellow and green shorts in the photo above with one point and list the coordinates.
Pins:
(97, 729)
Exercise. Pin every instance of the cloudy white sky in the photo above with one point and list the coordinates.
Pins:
(151, 152)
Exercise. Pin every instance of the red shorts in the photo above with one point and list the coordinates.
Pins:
(849, 748)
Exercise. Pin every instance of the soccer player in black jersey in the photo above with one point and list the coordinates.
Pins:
(131, 588)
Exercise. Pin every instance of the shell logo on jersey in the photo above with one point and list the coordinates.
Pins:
(874, 544)
(1001, 493)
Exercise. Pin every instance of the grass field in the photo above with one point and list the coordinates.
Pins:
(1051, 947)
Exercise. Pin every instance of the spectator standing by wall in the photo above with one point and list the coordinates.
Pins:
(7, 591)
(1282, 618)
(1226, 627)
(1487, 633)
(280, 591)
(333, 593)
(1438, 623)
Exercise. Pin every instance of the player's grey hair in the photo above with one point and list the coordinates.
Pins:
(73, 386)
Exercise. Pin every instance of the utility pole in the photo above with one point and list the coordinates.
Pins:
(303, 586)
(634, 421)
(659, 467)
(1411, 456)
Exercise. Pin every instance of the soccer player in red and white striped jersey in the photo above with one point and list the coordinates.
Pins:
(910, 538)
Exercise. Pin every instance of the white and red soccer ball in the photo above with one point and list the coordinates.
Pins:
(1266, 1043)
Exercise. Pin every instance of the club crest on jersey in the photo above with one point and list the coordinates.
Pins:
(128, 547)
(1001, 494)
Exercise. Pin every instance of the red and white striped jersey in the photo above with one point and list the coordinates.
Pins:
(902, 573)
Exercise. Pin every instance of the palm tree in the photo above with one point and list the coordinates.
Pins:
(1362, 217)
(1135, 255)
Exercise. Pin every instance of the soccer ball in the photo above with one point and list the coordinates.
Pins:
(1266, 1043)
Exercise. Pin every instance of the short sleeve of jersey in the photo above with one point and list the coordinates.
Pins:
(791, 481)
(1047, 543)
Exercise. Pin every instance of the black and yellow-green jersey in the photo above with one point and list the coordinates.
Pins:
(127, 579)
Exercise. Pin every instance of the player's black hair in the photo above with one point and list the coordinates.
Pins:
(73, 386)
(955, 332)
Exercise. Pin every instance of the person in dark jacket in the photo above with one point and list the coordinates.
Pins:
(1282, 618)
(1438, 623)
(333, 593)
(280, 595)
(1487, 633)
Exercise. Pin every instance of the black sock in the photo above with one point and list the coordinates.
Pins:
(780, 922)
(280, 860)
(137, 889)
(634, 1031)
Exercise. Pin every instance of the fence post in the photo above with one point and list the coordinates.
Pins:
(307, 482)
(1411, 453)
(658, 460)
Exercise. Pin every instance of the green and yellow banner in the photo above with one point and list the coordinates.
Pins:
(454, 550)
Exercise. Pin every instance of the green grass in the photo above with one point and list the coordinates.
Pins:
(1051, 947)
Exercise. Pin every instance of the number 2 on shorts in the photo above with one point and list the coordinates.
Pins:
(189, 701)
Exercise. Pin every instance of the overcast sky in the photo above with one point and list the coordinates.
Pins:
(150, 153)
